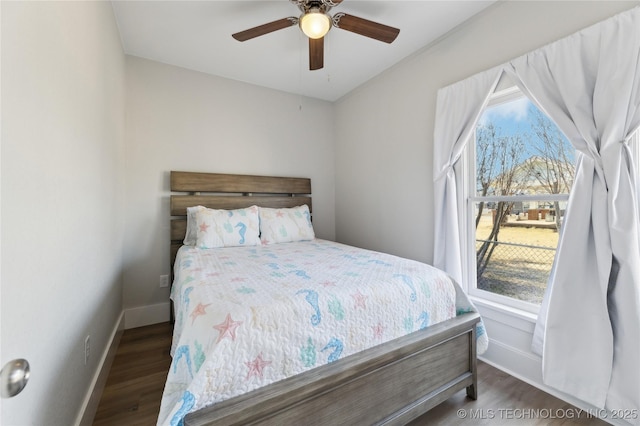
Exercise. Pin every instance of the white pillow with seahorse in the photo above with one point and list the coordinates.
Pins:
(285, 225)
(191, 235)
(227, 228)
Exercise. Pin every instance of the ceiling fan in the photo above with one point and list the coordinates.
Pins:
(315, 22)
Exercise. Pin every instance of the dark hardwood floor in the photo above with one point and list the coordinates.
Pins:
(134, 388)
(505, 400)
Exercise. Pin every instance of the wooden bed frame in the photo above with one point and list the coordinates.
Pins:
(392, 383)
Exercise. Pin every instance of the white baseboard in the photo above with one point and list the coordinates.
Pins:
(528, 362)
(515, 361)
(129, 318)
(92, 399)
(146, 315)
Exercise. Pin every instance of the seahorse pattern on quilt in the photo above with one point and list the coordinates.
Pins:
(303, 304)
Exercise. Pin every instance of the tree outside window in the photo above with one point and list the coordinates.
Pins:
(524, 170)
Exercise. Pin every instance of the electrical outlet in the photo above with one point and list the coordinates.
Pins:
(87, 349)
(164, 280)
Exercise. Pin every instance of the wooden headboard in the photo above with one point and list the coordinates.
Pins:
(226, 191)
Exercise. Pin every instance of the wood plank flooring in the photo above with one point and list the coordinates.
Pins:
(134, 388)
(504, 400)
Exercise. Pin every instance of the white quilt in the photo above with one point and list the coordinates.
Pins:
(250, 316)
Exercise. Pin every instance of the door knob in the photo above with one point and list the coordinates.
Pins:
(14, 377)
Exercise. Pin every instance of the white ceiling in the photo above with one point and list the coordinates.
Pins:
(197, 35)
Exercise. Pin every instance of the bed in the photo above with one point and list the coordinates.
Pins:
(346, 360)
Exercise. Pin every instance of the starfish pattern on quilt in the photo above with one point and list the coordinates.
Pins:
(227, 328)
(200, 309)
(256, 366)
(378, 329)
(359, 300)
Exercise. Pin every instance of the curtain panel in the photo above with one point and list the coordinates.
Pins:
(588, 330)
(456, 116)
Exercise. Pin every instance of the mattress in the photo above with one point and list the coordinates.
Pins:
(250, 316)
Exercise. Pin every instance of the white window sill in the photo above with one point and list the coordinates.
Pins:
(504, 314)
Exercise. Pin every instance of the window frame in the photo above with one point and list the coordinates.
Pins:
(468, 199)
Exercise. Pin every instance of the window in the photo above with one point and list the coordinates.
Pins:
(522, 169)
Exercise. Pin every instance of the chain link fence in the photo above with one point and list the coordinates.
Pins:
(515, 270)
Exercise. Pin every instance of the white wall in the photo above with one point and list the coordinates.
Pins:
(384, 142)
(62, 199)
(185, 120)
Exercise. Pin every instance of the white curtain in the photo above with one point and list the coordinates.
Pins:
(455, 124)
(589, 325)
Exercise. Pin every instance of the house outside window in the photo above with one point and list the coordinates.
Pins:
(521, 169)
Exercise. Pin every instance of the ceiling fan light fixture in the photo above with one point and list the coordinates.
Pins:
(315, 24)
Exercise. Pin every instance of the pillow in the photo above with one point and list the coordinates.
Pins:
(285, 225)
(192, 227)
(227, 228)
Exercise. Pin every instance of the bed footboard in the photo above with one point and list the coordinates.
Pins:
(392, 383)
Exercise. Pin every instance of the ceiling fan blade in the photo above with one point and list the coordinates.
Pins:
(316, 53)
(265, 29)
(365, 27)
